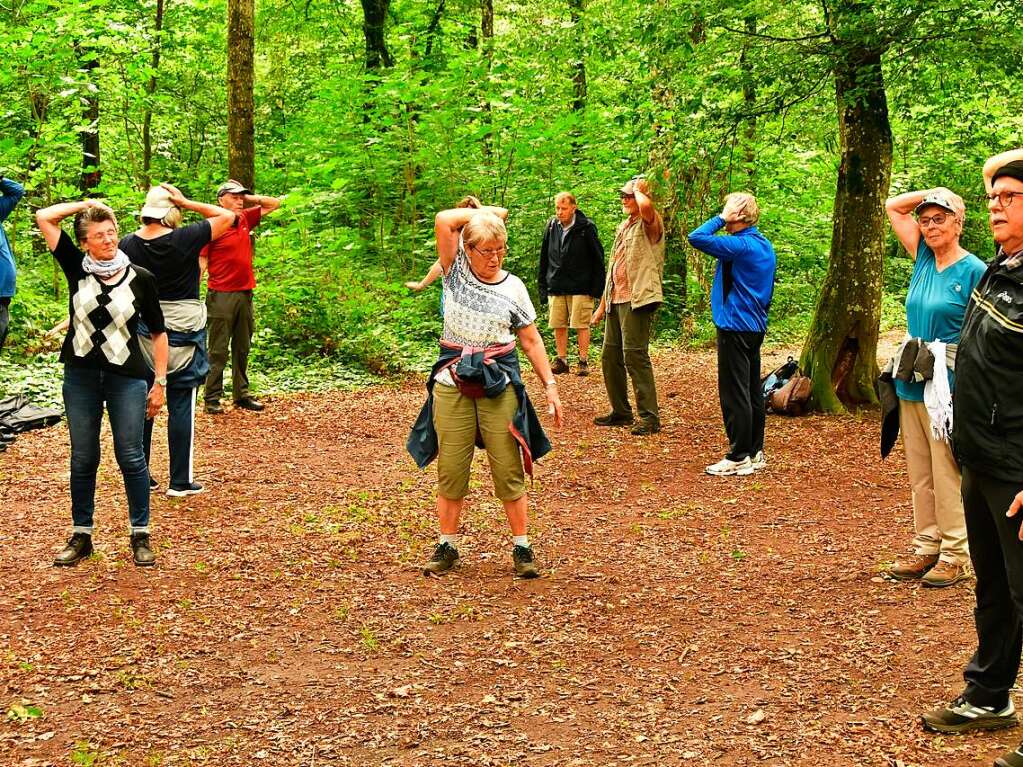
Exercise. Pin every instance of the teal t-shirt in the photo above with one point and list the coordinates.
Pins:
(936, 303)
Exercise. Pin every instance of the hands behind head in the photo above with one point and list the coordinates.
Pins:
(98, 204)
(733, 211)
(176, 196)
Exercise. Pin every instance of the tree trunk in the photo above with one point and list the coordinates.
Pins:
(487, 33)
(147, 117)
(241, 142)
(91, 175)
(749, 98)
(374, 14)
(578, 80)
(840, 354)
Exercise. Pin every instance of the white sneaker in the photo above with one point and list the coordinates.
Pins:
(759, 461)
(728, 468)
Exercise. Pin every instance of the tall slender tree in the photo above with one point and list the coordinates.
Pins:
(241, 134)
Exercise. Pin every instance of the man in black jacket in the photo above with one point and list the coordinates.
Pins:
(572, 276)
(988, 443)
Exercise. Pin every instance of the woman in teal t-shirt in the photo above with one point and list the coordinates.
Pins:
(944, 275)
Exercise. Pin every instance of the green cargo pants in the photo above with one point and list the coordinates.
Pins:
(627, 351)
(230, 322)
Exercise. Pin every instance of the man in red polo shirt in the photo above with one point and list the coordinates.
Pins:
(229, 295)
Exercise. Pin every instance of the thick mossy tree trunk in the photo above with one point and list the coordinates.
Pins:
(840, 354)
(241, 141)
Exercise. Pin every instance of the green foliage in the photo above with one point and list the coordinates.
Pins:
(367, 160)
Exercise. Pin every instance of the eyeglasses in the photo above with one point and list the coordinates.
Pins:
(937, 220)
(103, 236)
(498, 252)
(1004, 198)
(626, 196)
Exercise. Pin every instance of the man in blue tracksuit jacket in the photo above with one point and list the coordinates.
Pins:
(10, 195)
(739, 301)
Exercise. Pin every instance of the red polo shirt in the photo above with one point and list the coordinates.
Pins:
(230, 256)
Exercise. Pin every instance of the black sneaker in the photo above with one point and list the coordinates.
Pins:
(142, 553)
(1011, 758)
(613, 419)
(445, 556)
(559, 367)
(644, 428)
(193, 488)
(583, 368)
(78, 547)
(962, 716)
(525, 567)
(153, 484)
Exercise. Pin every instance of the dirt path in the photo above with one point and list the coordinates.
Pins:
(684, 619)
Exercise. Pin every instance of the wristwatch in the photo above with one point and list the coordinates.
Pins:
(549, 384)
(162, 380)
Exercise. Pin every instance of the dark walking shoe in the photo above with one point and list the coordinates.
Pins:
(143, 555)
(1011, 758)
(214, 408)
(611, 419)
(180, 492)
(445, 556)
(583, 368)
(962, 716)
(645, 428)
(559, 366)
(78, 547)
(250, 404)
(525, 567)
(153, 484)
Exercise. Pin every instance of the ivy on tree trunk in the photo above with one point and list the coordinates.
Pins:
(241, 148)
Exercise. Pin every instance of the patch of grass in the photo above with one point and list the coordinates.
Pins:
(369, 640)
(85, 754)
(22, 713)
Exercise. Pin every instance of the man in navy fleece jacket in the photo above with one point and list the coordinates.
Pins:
(739, 301)
(10, 194)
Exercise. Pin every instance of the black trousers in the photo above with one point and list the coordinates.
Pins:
(997, 555)
(5, 318)
(742, 399)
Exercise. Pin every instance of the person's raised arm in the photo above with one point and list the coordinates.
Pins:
(430, 277)
(448, 223)
(221, 219)
(11, 193)
(48, 219)
(705, 238)
(651, 223)
(996, 162)
(900, 213)
(266, 204)
(533, 348)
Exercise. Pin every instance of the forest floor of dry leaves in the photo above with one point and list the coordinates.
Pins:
(683, 619)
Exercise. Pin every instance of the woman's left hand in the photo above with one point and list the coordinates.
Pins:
(554, 405)
(155, 400)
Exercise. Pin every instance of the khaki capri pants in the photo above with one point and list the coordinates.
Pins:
(456, 419)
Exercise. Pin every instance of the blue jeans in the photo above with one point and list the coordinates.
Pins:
(180, 436)
(85, 391)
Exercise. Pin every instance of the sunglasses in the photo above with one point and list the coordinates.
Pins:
(937, 220)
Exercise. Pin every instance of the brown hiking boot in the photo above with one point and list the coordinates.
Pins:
(911, 566)
(945, 574)
(559, 366)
